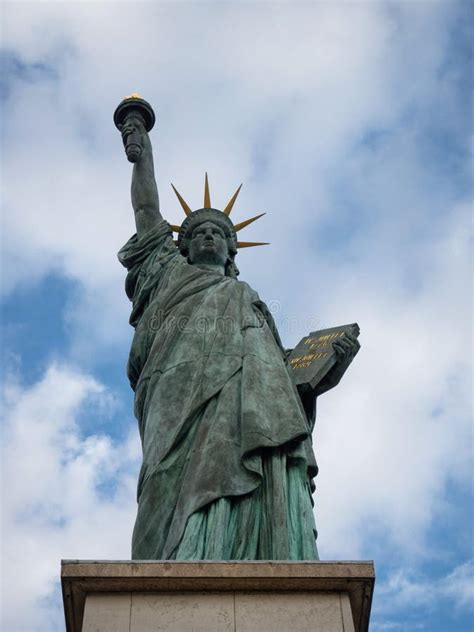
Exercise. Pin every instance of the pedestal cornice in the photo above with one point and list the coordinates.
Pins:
(82, 577)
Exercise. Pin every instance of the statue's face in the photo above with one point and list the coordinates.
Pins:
(208, 245)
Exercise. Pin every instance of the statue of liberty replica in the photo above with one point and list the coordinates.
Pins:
(228, 462)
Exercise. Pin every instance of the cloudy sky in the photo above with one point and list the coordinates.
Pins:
(349, 124)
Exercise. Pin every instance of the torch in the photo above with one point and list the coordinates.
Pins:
(134, 106)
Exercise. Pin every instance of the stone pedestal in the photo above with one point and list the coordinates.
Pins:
(217, 596)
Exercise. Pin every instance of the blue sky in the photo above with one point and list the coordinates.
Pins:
(350, 125)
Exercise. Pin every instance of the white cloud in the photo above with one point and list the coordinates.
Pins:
(408, 590)
(274, 97)
(398, 431)
(313, 98)
(65, 495)
(458, 586)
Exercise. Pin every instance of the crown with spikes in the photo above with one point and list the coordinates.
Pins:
(207, 213)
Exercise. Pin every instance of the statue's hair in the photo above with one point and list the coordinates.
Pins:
(194, 219)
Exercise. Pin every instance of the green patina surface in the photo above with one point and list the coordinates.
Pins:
(227, 456)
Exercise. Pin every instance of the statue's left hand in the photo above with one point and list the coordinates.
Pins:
(346, 349)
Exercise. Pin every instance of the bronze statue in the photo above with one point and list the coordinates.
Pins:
(227, 452)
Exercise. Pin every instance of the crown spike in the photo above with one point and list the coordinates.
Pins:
(251, 244)
(231, 202)
(238, 227)
(186, 208)
(207, 195)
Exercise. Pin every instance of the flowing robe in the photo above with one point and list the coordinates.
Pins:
(227, 454)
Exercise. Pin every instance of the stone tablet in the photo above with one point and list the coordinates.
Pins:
(314, 356)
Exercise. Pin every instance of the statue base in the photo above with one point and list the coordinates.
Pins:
(136, 596)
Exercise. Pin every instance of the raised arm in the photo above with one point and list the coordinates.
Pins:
(145, 201)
